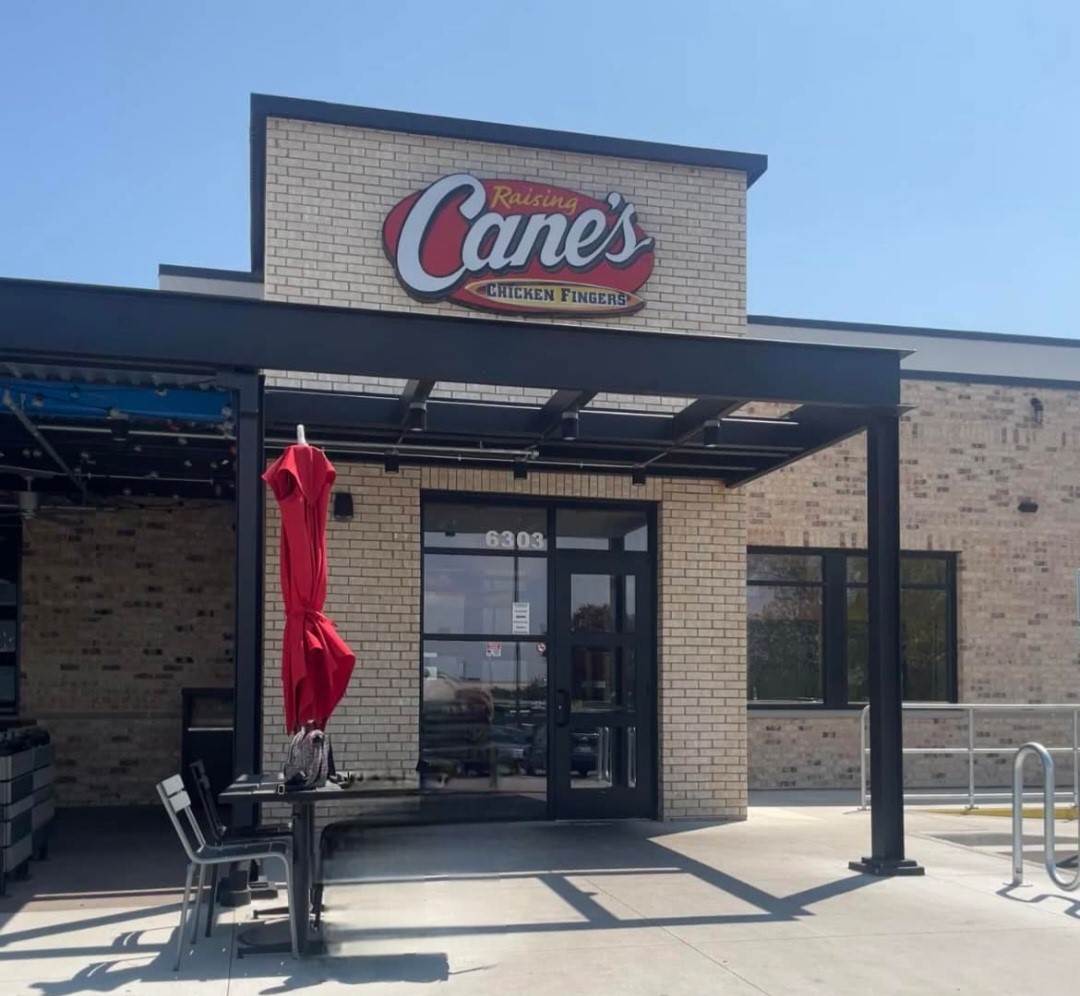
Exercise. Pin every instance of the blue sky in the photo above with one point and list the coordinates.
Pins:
(923, 156)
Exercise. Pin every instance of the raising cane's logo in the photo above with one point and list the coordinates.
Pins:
(509, 246)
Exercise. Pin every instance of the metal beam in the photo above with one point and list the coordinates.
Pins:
(730, 468)
(160, 328)
(559, 404)
(122, 491)
(36, 435)
(415, 392)
(686, 423)
(632, 438)
(334, 411)
(689, 422)
(247, 727)
(883, 599)
(349, 415)
(812, 428)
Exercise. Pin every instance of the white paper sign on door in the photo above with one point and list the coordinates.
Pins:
(520, 619)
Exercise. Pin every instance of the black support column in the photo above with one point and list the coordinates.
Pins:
(247, 734)
(886, 729)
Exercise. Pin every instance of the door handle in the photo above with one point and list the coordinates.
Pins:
(562, 707)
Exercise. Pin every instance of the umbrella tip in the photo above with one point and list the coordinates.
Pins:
(301, 437)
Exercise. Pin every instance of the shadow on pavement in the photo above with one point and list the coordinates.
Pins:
(557, 856)
(560, 857)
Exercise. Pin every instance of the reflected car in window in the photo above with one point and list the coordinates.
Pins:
(584, 751)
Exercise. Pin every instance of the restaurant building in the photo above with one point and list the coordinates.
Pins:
(567, 464)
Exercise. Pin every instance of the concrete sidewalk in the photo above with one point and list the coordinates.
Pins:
(765, 906)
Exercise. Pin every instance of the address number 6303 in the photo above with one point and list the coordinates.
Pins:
(507, 539)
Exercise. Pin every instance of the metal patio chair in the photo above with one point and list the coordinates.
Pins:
(220, 833)
(202, 855)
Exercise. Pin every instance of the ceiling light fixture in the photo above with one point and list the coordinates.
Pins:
(416, 417)
(710, 434)
(568, 426)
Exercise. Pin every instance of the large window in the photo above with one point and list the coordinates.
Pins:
(10, 542)
(785, 627)
(807, 630)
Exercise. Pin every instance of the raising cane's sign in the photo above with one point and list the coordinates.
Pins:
(510, 246)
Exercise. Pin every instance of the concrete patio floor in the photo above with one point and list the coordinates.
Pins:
(765, 906)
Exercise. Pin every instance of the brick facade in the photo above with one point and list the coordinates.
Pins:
(328, 189)
(374, 598)
(120, 610)
(969, 454)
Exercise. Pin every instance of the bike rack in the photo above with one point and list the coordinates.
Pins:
(1049, 798)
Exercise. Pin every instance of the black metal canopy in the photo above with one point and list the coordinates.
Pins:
(832, 391)
(165, 329)
(733, 449)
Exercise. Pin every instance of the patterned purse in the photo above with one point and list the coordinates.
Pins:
(307, 761)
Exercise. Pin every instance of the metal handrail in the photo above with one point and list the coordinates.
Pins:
(970, 708)
(1069, 885)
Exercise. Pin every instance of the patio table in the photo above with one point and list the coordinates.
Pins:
(267, 788)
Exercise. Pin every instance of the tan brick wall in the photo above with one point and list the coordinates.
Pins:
(374, 597)
(120, 610)
(804, 750)
(969, 454)
(329, 188)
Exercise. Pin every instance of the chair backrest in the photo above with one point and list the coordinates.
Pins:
(175, 799)
(204, 790)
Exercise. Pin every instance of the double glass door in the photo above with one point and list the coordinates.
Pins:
(602, 728)
(537, 674)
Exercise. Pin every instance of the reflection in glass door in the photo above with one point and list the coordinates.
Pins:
(484, 676)
(603, 726)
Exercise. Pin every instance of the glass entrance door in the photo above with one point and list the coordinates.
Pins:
(604, 703)
(537, 674)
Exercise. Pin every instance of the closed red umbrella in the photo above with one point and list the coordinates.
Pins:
(316, 663)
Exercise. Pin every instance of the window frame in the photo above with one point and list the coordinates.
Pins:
(835, 587)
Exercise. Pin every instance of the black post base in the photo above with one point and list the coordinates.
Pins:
(234, 889)
(887, 867)
(273, 938)
(261, 889)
